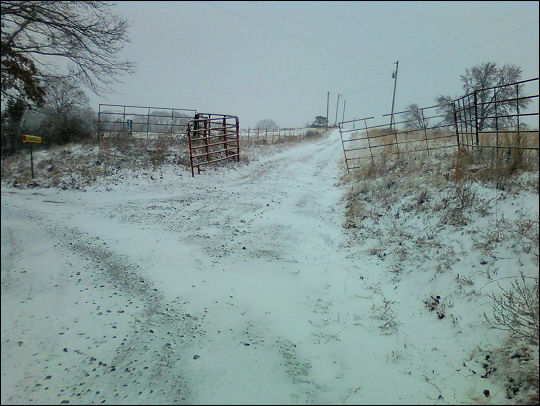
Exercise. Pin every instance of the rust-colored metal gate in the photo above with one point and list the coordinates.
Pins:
(212, 138)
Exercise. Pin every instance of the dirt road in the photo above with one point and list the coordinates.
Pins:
(236, 286)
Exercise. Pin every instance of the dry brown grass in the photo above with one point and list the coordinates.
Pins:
(383, 141)
(497, 165)
(509, 139)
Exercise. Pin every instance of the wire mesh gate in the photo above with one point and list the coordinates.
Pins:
(500, 117)
(212, 138)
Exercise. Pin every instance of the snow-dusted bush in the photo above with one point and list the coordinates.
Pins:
(516, 310)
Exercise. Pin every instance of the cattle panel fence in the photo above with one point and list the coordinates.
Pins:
(500, 118)
(142, 122)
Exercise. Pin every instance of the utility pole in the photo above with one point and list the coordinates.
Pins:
(394, 76)
(337, 108)
(344, 103)
(327, 100)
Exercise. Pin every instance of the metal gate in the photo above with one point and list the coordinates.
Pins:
(503, 117)
(142, 121)
(500, 118)
(212, 138)
(371, 138)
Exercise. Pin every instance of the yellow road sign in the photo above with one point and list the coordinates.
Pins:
(31, 138)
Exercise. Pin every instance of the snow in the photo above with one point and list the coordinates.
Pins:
(237, 286)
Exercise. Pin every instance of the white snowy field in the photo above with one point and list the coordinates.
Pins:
(238, 286)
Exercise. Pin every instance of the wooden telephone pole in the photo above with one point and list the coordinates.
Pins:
(337, 108)
(394, 76)
(327, 100)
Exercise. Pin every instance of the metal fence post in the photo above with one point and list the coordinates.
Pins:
(206, 133)
(148, 123)
(476, 116)
(98, 123)
(225, 136)
(343, 146)
(517, 108)
(369, 143)
(425, 131)
(190, 149)
(496, 127)
(456, 125)
(237, 139)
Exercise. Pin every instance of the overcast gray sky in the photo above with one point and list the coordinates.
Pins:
(278, 60)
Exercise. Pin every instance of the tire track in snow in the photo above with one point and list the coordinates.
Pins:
(149, 364)
(13, 250)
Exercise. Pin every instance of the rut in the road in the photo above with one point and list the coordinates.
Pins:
(157, 346)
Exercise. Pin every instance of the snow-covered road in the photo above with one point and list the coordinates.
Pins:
(236, 286)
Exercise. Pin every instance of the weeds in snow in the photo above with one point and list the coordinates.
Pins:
(412, 207)
(463, 281)
(386, 315)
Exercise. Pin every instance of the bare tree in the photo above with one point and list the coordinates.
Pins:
(481, 78)
(65, 96)
(67, 114)
(39, 38)
(320, 121)
(267, 124)
(414, 117)
(487, 81)
(446, 109)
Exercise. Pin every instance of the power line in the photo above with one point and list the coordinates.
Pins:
(501, 35)
(363, 62)
(470, 32)
(461, 50)
(486, 41)
(368, 87)
(282, 33)
(324, 35)
(489, 23)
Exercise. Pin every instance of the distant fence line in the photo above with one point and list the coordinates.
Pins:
(272, 136)
(151, 122)
(115, 120)
(499, 117)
